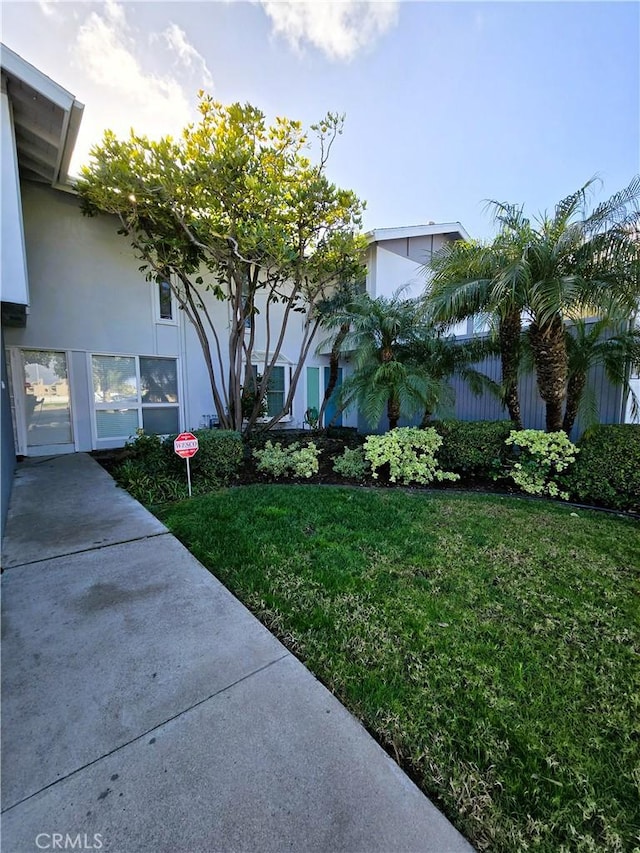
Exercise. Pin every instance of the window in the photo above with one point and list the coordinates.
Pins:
(276, 390)
(164, 298)
(164, 303)
(132, 392)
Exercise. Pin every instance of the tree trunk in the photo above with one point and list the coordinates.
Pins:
(550, 358)
(509, 336)
(577, 381)
(426, 418)
(334, 364)
(393, 411)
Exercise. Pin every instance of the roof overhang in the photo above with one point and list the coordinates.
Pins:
(46, 120)
(455, 229)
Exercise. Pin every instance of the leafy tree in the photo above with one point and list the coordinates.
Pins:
(573, 263)
(237, 209)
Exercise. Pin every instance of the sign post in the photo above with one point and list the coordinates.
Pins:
(186, 446)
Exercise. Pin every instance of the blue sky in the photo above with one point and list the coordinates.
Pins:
(447, 104)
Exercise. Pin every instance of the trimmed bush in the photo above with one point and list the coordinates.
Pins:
(542, 456)
(279, 461)
(352, 465)
(218, 460)
(409, 453)
(474, 448)
(607, 471)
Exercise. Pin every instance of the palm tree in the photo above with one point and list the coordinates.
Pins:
(335, 316)
(571, 264)
(443, 358)
(559, 268)
(377, 330)
(589, 345)
(461, 286)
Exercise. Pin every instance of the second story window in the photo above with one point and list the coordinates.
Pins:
(165, 301)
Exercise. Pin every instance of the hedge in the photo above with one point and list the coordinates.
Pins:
(474, 448)
(607, 470)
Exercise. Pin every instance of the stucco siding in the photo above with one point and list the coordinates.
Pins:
(394, 271)
(86, 290)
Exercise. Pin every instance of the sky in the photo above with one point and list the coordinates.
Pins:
(447, 104)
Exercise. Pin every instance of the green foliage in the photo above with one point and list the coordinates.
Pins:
(218, 460)
(474, 448)
(153, 473)
(557, 267)
(410, 454)
(542, 456)
(149, 488)
(292, 461)
(352, 464)
(379, 380)
(607, 472)
(311, 417)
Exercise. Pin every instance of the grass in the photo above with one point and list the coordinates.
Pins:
(491, 644)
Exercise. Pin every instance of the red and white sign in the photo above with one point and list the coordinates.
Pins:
(186, 445)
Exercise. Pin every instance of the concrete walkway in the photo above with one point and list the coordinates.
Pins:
(145, 709)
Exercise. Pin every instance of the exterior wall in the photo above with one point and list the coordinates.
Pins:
(7, 450)
(392, 264)
(15, 286)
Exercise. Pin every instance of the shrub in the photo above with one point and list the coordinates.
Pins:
(410, 454)
(218, 460)
(352, 464)
(153, 473)
(542, 456)
(280, 461)
(607, 472)
(474, 448)
(146, 487)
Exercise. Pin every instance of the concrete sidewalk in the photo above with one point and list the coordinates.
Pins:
(145, 709)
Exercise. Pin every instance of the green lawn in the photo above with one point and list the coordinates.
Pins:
(490, 643)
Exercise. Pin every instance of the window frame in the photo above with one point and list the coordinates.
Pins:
(157, 304)
(287, 384)
(138, 405)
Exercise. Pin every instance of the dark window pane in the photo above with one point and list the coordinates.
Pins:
(275, 392)
(164, 295)
(159, 380)
(160, 421)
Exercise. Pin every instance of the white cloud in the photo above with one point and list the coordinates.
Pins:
(340, 28)
(48, 7)
(186, 53)
(124, 93)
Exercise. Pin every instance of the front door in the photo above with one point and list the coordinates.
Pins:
(46, 402)
(331, 407)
